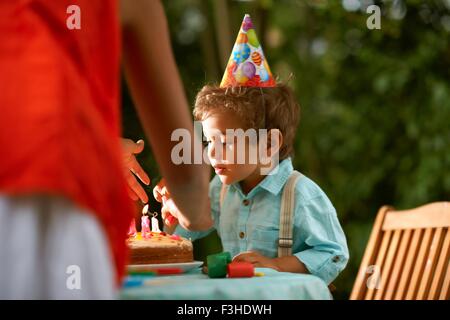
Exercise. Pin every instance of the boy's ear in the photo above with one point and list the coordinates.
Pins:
(274, 142)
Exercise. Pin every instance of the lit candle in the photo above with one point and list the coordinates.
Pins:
(145, 223)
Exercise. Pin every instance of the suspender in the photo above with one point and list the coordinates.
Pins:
(287, 210)
(286, 215)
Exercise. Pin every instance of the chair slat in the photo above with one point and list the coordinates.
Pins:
(380, 260)
(370, 254)
(408, 254)
(445, 291)
(444, 258)
(430, 264)
(387, 266)
(407, 268)
(399, 263)
(419, 265)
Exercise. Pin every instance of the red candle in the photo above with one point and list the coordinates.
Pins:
(132, 230)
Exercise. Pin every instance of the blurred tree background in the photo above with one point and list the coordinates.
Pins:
(375, 125)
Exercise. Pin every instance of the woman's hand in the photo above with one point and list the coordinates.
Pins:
(169, 210)
(258, 260)
(133, 168)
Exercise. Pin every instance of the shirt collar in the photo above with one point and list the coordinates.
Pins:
(274, 181)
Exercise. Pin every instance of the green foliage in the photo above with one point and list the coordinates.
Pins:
(375, 103)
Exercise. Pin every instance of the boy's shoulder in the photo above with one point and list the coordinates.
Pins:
(307, 191)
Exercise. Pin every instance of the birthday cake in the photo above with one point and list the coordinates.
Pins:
(159, 247)
(153, 246)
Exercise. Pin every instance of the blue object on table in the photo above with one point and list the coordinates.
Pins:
(194, 285)
(136, 280)
(130, 283)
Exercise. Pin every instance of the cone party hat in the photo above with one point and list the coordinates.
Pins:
(247, 66)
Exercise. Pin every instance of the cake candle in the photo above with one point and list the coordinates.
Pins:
(155, 223)
(145, 223)
(132, 230)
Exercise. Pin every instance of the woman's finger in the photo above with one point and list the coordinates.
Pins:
(132, 194)
(165, 192)
(136, 168)
(136, 187)
(138, 146)
(157, 191)
(167, 216)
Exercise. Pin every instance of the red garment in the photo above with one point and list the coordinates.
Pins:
(59, 109)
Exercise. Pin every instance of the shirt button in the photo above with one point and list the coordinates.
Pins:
(246, 202)
(336, 259)
(241, 235)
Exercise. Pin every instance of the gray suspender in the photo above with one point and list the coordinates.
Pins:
(287, 210)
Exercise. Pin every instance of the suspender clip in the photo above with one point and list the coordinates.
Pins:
(285, 242)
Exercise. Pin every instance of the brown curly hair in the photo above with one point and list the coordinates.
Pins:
(259, 108)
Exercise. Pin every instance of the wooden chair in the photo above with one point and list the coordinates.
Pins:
(407, 256)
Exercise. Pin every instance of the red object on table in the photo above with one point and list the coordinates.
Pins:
(168, 271)
(240, 270)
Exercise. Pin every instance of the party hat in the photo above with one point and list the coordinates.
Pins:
(247, 66)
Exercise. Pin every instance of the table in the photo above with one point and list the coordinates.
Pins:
(194, 285)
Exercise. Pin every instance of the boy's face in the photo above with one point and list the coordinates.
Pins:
(226, 156)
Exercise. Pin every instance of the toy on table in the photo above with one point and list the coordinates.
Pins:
(219, 265)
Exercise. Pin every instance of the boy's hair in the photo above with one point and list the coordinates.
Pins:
(259, 108)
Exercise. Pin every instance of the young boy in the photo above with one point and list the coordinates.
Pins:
(251, 209)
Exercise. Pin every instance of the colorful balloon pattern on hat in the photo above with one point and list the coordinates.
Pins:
(241, 52)
(242, 38)
(256, 58)
(252, 38)
(247, 65)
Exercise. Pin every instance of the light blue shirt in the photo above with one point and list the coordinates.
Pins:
(251, 222)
